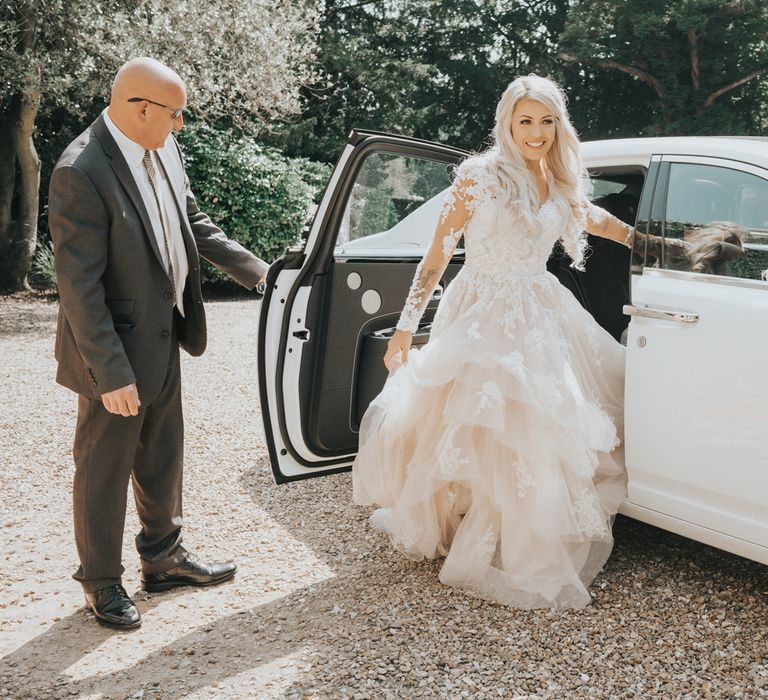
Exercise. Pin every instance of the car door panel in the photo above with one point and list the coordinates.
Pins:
(351, 330)
(696, 390)
(323, 318)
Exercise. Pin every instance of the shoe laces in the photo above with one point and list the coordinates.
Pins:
(192, 559)
(118, 588)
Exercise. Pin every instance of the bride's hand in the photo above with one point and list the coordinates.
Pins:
(399, 343)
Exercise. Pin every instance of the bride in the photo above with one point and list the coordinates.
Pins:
(497, 445)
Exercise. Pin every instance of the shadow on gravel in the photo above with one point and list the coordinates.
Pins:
(383, 626)
(661, 599)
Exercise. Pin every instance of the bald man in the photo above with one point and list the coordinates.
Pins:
(128, 237)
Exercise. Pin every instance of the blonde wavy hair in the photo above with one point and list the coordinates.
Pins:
(567, 175)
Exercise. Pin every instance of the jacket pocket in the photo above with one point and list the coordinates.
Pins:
(122, 313)
(121, 308)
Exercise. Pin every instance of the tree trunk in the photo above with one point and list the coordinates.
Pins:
(29, 193)
(23, 235)
(7, 181)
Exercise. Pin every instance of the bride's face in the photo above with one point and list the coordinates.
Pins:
(533, 128)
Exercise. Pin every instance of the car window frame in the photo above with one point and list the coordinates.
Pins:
(659, 214)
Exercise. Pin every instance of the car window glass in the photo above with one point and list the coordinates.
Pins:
(716, 222)
(618, 194)
(394, 204)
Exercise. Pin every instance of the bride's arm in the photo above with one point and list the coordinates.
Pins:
(451, 225)
(601, 223)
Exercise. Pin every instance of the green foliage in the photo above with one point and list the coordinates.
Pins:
(43, 269)
(246, 64)
(257, 196)
(433, 69)
(669, 67)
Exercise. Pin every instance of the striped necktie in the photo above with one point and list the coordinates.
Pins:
(150, 168)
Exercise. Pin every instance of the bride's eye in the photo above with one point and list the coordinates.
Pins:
(525, 122)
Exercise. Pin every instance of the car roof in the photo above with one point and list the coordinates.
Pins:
(750, 149)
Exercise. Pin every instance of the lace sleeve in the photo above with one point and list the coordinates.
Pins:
(456, 212)
(599, 222)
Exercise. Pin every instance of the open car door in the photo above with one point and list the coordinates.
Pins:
(331, 304)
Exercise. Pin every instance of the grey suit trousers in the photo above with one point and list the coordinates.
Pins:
(109, 451)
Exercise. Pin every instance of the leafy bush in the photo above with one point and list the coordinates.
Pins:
(43, 269)
(257, 196)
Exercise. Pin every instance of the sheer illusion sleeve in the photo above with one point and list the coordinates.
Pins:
(459, 205)
(599, 222)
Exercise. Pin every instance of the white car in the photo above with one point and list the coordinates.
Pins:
(695, 288)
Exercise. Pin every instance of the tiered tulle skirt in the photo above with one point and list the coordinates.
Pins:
(498, 445)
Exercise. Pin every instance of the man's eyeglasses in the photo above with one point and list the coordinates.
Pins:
(175, 113)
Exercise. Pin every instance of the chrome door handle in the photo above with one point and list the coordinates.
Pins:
(438, 293)
(646, 312)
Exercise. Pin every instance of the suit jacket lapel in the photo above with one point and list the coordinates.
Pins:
(186, 230)
(126, 179)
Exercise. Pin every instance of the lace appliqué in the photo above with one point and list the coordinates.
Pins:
(600, 216)
(510, 320)
(412, 312)
(514, 363)
(472, 331)
(589, 517)
(490, 397)
(525, 479)
(486, 545)
(407, 535)
(451, 457)
(450, 242)
(463, 198)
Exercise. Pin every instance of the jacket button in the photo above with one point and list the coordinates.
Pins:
(194, 269)
(167, 295)
(164, 334)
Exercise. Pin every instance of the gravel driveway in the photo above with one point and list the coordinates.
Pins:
(321, 607)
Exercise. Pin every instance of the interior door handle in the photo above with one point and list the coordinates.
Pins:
(646, 312)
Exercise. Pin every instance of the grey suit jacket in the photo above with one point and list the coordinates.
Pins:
(116, 307)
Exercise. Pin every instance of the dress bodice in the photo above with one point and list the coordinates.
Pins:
(505, 246)
(498, 240)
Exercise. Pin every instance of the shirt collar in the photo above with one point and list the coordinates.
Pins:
(132, 151)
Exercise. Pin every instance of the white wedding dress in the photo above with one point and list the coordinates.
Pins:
(498, 445)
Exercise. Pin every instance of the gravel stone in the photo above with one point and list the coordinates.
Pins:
(321, 606)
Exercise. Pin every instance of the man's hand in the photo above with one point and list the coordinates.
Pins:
(124, 401)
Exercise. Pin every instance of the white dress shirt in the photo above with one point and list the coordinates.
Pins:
(134, 156)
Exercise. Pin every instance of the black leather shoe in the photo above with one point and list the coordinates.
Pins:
(191, 572)
(113, 608)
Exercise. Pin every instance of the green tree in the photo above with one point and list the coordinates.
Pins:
(681, 67)
(429, 68)
(258, 196)
(245, 67)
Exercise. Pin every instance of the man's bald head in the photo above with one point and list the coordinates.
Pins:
(144, 75)
(149, 120)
